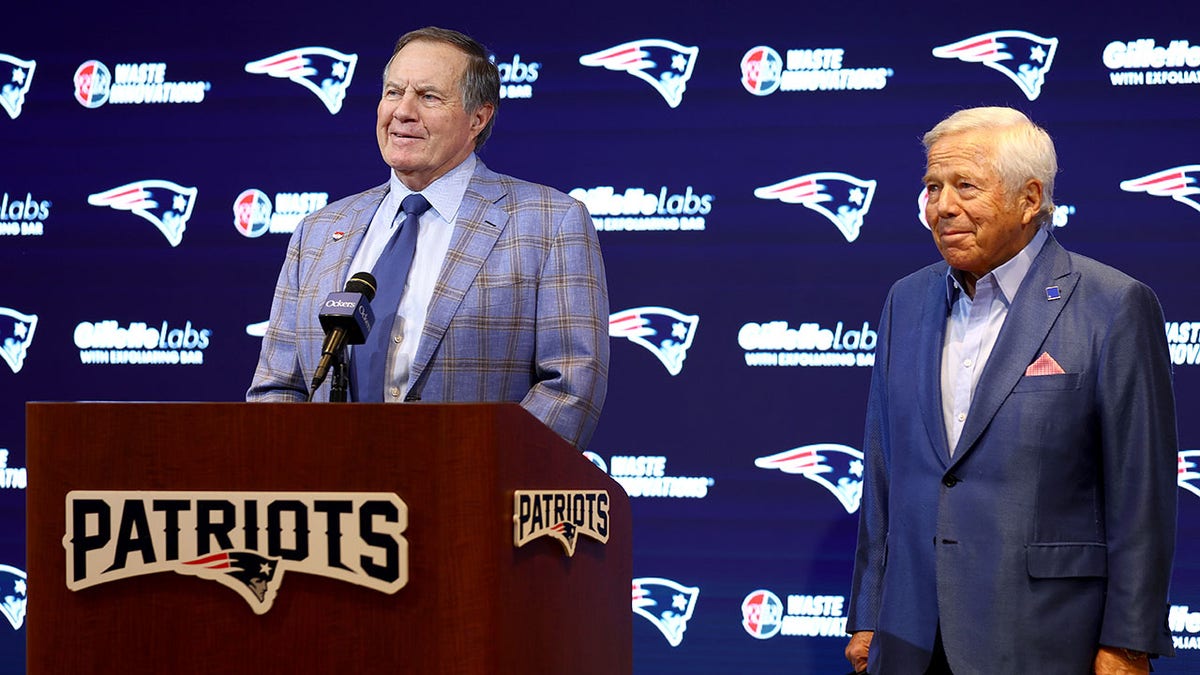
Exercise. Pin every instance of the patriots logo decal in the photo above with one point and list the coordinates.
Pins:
(166, 204)
(1187, 471)
(666, 604)
(665, 332)
(13, 595)
(1178, 183)
(254, 577)
(1023, 57)
(13, 90)
(323, 71)
(843, 199)
(838, 468)
(665, 65)
(16, 334)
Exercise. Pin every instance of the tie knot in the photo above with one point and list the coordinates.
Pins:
(414, 205)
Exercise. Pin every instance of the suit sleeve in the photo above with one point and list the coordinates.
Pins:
(1137, 409)
(571, 354)
(871, 555)
(278, 377)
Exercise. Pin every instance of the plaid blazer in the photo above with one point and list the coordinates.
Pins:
(519, 313)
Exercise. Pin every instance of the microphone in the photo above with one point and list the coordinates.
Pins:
(346, 318)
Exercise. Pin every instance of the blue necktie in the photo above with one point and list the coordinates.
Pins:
(391, 273)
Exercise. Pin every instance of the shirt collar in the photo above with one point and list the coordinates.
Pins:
(1009, 275)
(445, 194)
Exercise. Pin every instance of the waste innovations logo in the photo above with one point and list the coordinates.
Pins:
(13, 595)
(13, 89)
(254, 214)
(837, 468)
(843, 199)
(16, 335)
(167, 205)
(1183, 339)
(808, 616)
(665, 603)
(665, 332)
(133, 83)
(244, 541)
(643, 210)
(517, 77)
(1178, 183)
(646, 476)
(11, 477)
(1022, 57)
(1059, 217)
(1143, 62)
(323, 71)
(775, 343)
(108, 343)
(764, 72)
(23, 217)
(663, 64)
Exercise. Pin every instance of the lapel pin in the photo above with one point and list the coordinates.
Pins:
(339, 234)
(1052, 293)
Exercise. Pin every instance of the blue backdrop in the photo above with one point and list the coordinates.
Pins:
(755, 173)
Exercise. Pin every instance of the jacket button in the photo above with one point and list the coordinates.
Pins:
(950, 480)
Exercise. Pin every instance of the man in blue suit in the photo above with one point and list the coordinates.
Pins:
(505, 299)
(1018, 512)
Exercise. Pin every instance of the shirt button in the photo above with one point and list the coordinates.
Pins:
(395, 392)
(967, 363)
(961, 416)
(397, 339)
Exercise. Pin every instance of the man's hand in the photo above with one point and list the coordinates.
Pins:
(1109, 661)
(860, 645)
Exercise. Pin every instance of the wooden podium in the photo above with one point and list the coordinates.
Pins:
(473, 602)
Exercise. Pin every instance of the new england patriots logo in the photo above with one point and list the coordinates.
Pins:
(166, 204)
(666, 65)
(1023, 57)
(13, 90)
(843, 199)
(16, 334)
(838, 468)
(1187, 471)
(665, 332)
(665, 604)
(1178, 183)
(252, 576)
(12, 595)
(323, 71)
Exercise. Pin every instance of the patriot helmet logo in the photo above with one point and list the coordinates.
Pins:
(16, 334)
(1188, 472)
(665, 65)
(168, 205)
(254, 577)
(843, 199)
(13, 595)
(12, 91)
(1023, 57)
(665, 332)
(835, 467)
(1178, 183)
(762, 614)
(323, 71)
(666, 604)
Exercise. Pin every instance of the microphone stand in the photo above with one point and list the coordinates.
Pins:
(339, 383)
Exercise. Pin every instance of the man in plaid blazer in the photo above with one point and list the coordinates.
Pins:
(506, 299)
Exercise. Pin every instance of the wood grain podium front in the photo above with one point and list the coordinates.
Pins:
(473, 601)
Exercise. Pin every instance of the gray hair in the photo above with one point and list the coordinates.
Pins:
(1023, 150)
(480, 83)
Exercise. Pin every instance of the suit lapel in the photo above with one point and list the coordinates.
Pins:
(479, 224)
(1029, 321)
(929, 366)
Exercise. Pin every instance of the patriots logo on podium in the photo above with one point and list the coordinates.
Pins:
(254, 577)
(323, 71)
(13, 595)
(15, 336)
(665, 332)
(1187, 471)
(12, 92)
(666, 604)
(838, 468)
(168, 205)
(1023, 57)
(843, 199)
(1178, 183)
(665, 65)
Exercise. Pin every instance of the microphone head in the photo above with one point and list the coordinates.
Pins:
(364, 283)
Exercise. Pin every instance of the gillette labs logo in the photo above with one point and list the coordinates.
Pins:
(516, 77)
(23, 217)
(1143, 63)
(641, 210)
(105, 343)
(774, 343)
